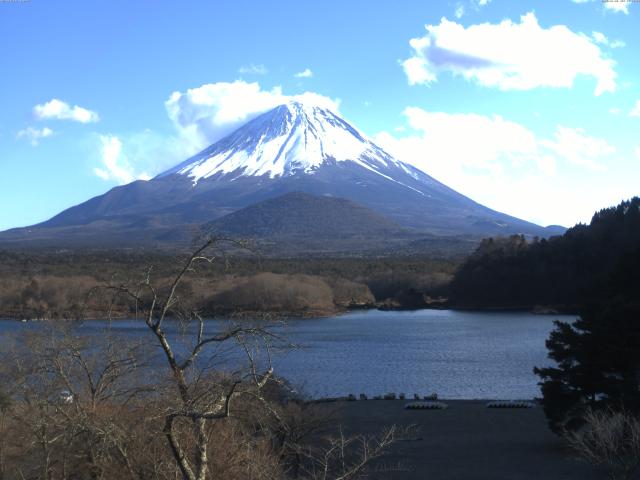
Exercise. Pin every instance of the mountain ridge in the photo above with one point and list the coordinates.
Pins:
(291, 148)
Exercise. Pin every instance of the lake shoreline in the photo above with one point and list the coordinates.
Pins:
(313, 314)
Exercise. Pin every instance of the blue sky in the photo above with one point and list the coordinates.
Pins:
(528, 107)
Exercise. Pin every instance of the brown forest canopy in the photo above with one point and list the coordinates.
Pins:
(55, 285)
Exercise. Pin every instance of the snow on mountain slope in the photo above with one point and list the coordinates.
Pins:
(290, 139)
(296, 147)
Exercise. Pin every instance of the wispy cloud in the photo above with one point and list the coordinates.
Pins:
(492, 144)
(635, 111)
(490, 158)
(617, 6)
(434, 143)
(306, 73)
(474, 5)
(56, 109)
(574, 145)
(602, 39)
(115, 165)
(253, 69)
(34, 135)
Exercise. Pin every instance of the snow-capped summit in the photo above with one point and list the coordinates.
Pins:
(290, 139)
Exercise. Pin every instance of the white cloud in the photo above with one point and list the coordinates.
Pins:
(635, 111)
(201, 116)
(33, 135)
(578, 148)
(602, 39)
(207, 113)
(59, 110)
(475, 5)
(417, 68)
(637, 151)
(115, 163)
(490, 159)
(617, 6)
(453, 146)
(306, 73)
(615, 111)
(253, 69)
(509, 55)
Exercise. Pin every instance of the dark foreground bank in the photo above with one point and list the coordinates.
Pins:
(466, 441)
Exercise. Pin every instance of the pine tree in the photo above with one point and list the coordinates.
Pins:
(598, 364)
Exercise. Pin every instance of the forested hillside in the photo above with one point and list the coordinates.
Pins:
(589, 263)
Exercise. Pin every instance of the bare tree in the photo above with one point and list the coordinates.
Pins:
(340, 457)
(99, 408)
(73, 400)
(5, 405)
(609, 439)
(198, 402)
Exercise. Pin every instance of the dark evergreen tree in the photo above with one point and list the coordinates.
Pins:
(598, 364)
(592, 269)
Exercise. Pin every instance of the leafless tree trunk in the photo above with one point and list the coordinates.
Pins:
(200, 408)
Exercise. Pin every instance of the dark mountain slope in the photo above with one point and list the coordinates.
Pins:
(299, 214)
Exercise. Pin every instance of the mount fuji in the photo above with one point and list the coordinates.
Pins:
(293, 148)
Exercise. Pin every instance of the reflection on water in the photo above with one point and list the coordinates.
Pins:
(454, 354)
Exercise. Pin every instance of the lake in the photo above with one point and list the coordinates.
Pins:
(456, 354)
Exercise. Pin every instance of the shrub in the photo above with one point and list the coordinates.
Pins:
(611, 440)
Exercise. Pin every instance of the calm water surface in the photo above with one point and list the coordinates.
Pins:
(458, 355)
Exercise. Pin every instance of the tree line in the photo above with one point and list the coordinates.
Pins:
(588, 264)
